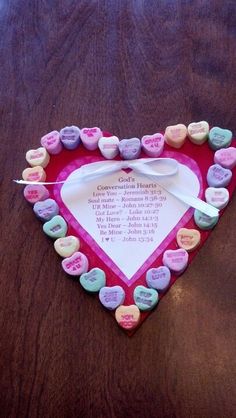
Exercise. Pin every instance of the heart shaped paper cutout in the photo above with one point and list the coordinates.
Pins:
(126, 213)
(196, 158)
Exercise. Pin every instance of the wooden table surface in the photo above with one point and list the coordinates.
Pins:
(131, 67)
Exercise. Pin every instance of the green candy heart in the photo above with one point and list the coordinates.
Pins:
(94, 280)
(56, 227)
(145, 298)
(219, 138)
(204, 221)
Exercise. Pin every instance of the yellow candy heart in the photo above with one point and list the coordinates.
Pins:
(37, 157)
(66, 246)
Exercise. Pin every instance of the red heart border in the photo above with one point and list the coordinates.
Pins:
(203, 156)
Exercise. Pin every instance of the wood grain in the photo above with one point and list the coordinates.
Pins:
(131, 67)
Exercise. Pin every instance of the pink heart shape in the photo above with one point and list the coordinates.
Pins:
(72, 215)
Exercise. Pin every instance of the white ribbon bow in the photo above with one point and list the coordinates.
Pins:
(168, 167)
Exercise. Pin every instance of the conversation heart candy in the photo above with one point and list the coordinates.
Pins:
(204, 221)
(56, 227)
(219, 138)
(70, 137)
(175, 135)
(34, 174)
(46, 210)
(128, 317)
(226, 157)
(130, 148)
(145, 298)
(176, 260)
(94, 280)
(75, 265)
(90, 137)
(198, 132)
(217, 197)
(218, 176)
(35, 193)
(112, 297)
(37, 156)
(109, 146)
(158, 278)
(188, 239)
(153, 145)
(52, 142)
(66, 246)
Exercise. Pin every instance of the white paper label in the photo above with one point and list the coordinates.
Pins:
(127, 214)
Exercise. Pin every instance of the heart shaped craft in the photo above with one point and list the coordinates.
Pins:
(126, 222)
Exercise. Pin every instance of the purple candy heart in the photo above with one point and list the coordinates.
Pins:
(46, 210)
(218, 176)
(130, 148)
(158, 278)
(70, 137)
(111, 297)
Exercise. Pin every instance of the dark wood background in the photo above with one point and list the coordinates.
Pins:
(131, 67)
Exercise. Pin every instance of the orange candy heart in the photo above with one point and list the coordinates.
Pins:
(175, 135)
(34, 174)
(127, 316)
(188, 239)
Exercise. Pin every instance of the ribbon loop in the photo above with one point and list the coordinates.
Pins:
(168, 167)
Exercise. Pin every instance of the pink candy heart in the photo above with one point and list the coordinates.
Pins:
(226, 157)
(76, 264)
(35, 192)
(176, 260)
(52, 142)
(90, 137)
(153, 145)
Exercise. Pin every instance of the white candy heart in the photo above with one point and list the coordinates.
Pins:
(198, 132)
(217, 196)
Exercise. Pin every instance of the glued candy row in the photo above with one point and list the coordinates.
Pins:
(158, 280)
(74, 263)
(92, 138)
(198, 133)
(219, 176)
